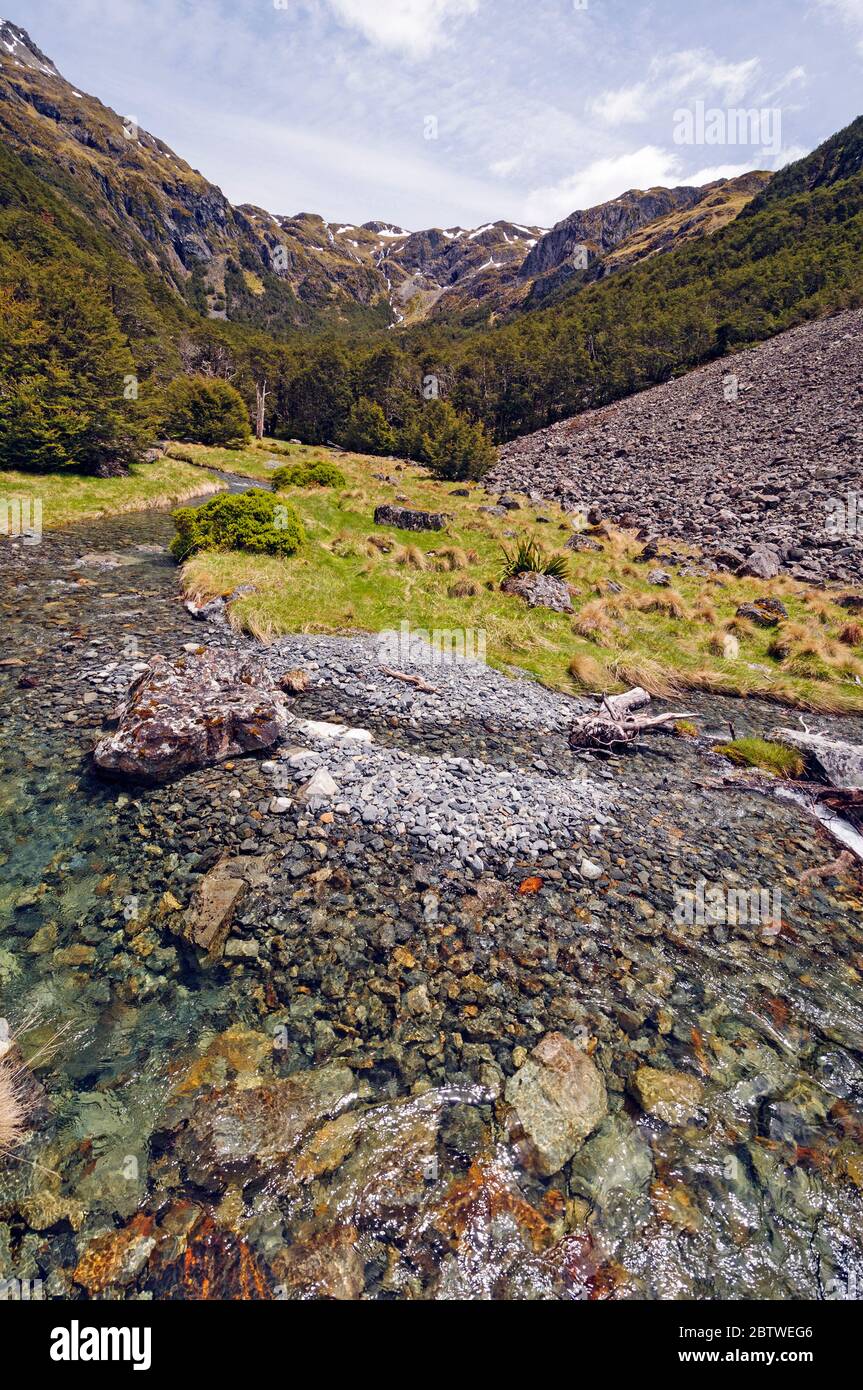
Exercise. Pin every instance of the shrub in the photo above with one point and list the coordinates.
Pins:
(251, 520)
(366, 430)
(320, 473)
(453, 448)
(204, 410)
(527, 558)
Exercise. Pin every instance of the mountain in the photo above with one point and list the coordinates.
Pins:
(294, 273)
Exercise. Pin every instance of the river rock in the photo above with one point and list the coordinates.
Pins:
(319, 790)
(539, 591)
(407, 519)
(327, 1265)
(202, 708)
(840, 762)
(558, 1098)
(237, 1133)
(209, 917)
(672, 1096)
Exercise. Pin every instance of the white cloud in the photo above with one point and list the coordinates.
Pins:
(692, 72)
(649, 167)
(412, 27)
(850, 12)
(502, 168)
(598, 182)
(793, 76)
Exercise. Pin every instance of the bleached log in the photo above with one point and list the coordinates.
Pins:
(615, 722)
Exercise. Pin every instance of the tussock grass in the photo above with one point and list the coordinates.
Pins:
(12, 1116)
(775, 758)
(353, 576)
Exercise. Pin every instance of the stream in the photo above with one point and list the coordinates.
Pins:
(402, 997)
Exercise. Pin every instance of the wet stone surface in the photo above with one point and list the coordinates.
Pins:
(322, 1111)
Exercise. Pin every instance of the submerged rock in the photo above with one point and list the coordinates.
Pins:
(558, 1098)
(672, 1096)
(237, 1133)
(209, 917)
(327, 1265)
(200, 709)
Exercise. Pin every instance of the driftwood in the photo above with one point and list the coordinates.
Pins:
(411, 680)
(616, 721)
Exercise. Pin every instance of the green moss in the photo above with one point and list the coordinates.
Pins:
(776, 758)
(252, 521)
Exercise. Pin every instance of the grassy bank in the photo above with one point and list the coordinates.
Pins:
(352, 575)
(68, 497)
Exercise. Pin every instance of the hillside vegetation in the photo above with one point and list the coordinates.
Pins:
(352, 575)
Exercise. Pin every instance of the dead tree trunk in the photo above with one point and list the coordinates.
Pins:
(615, 722)
(260, 403)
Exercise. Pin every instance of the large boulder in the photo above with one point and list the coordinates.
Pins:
(539, 591)
(200, 709)
(762, 562)
(840, 762)
(558, 1098)
(407, 519)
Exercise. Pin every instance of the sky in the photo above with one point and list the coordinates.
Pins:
(428, 113)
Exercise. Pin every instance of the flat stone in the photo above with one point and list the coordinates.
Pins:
(558, 1098)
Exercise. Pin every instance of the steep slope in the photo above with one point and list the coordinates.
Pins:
(766, 446)
(226, 261)
(283, 273)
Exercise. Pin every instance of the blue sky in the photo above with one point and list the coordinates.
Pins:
(437, 112)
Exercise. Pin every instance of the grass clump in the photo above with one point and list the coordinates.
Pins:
(253, 521)
(775, 758)
(318, 473)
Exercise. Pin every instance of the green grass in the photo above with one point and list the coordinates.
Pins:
(251, 462)
(354, 576)
(68, 497)
(776, 758)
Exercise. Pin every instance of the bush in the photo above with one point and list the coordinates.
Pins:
(320, 473)
(204, 410)
(366, 430)
(251, 520)
(527, 558)
(453, 448)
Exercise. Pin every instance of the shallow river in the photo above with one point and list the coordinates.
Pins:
(174, 1151)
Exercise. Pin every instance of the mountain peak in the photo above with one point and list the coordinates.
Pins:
(17, 45)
